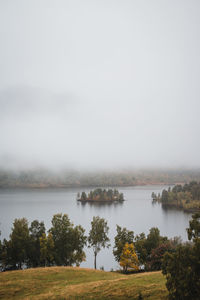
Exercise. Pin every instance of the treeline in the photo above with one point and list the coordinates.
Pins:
(32, 247)
(42, 178)
(149, 248)
(64, 244)
(101, 195)
(48, 179)
(185, 196)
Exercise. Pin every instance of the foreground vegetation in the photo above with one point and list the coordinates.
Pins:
(182, 268)
(63, 245)
(76, 283)
(31, 247)
(186, 197)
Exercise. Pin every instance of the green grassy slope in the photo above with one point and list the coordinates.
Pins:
(76, 283)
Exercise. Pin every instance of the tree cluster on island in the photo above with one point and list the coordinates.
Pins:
(186, 197)
(101, 195)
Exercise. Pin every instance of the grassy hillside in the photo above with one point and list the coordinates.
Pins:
(76, 283)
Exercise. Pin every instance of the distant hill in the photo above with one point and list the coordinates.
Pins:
(41, 178)
(77, 283)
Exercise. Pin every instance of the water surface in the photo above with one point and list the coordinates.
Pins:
(137, 213)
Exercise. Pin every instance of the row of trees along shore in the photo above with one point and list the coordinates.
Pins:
(186, 197)
(101, 195)
(64, 244)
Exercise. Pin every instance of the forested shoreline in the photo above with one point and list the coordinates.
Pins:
(186, 197)
(43, 178)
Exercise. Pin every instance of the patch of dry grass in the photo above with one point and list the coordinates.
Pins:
(63, 283)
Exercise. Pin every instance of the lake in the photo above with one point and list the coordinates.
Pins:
(137, 213)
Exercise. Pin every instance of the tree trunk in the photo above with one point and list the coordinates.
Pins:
(95, 260)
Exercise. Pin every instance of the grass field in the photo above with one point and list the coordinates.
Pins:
(76, 283)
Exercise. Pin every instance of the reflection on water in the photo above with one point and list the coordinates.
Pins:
(167, 208)
(136, 213)
(99, 204)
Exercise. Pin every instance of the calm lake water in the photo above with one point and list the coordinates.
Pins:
(137, 213)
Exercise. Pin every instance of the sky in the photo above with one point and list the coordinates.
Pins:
(99, 84)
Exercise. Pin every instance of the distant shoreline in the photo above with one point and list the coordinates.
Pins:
(187, 210)
(81, 186)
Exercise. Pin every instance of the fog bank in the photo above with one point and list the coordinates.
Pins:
(99, 84)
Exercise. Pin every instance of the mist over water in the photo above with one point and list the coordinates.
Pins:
(99, 84)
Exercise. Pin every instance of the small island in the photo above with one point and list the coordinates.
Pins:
(101, 195)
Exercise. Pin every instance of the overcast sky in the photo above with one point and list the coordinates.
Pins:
(100, 83)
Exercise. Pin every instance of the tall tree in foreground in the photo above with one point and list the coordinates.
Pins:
(19, 242)
(36, 230)
(182, 269)
(68, 240)
(123, 236)
(1, 251)
(98, 236)
(46, 249)
(157, 254)
(194, 227)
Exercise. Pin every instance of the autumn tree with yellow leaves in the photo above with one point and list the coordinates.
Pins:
(129, 259)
